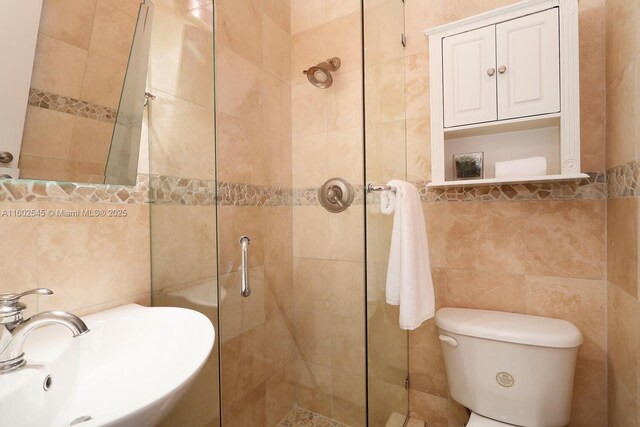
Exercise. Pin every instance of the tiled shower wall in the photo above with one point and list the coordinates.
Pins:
(542, 257)
(182, 164)
(328, 249)
(623, 153)
(254, 156)
(81, 58)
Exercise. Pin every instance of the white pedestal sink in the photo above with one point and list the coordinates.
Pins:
(128, 371)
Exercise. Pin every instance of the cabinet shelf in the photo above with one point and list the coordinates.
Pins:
(512, 125)
(514, 180)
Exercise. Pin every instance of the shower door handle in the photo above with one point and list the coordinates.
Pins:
(244, 244)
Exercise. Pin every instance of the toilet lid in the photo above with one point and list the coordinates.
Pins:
(479, 421)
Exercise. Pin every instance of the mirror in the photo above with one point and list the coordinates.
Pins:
(72, 86)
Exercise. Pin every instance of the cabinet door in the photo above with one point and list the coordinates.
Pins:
(528, 58)
(469, 77)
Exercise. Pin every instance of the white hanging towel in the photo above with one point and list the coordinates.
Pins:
(409, 282)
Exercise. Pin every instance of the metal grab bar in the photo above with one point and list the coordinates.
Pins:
(380, 187)
(244, 244)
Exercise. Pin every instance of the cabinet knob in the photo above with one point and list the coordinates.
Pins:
(6, 157)
(502, 69)
(491, 72)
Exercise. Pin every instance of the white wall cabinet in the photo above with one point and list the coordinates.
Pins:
(529, 50)
(506, 83)
(469, 83)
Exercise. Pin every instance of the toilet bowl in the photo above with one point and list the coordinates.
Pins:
(509, 369)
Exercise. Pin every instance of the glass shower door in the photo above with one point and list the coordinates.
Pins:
(386, 159)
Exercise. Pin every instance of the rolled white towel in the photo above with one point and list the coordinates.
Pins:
(387, 202)
(530, 166)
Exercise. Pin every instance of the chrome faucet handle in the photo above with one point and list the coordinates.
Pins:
(6, 299)
(11, 307)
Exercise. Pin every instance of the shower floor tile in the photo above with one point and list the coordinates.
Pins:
(300, 417)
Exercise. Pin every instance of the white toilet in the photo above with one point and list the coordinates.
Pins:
(509, 369)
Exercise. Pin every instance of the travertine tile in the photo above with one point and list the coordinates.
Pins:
(487, 236)
(183, 138)
(279, 343)
(348, 344)
(622, 105)
(47, 133)
(103, 80)
(344, 102)
(312, 336)
(183, 245)
(485, 290)
(427, 407)
(242, 368)
(589, 403)
(566, 238)
(345, 36)
(280, 12)
(112, 33)
(68, 21)
(237, 313)
(421, 15)
(239, 146)
(241, 95)
(623, 41)
(58, 67)
(240, 28)
(280, 393)
(314, 387)
(623, 408)
(623, 346)
(580, 301)
(239, 221)
(276, 49)
(622, 244)
(426, 362)
(20, 236)
(110, 254)
(305, 14)
(349, 398)
(91, 140)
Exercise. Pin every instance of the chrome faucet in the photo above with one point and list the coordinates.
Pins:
(14, 329)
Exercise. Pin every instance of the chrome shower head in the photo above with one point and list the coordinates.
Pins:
(320, 75)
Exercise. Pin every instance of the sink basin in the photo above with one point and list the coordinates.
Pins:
(128, 371)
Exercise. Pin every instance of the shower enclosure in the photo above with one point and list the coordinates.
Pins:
(240, 142)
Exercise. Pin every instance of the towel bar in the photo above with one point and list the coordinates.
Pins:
(380, 187)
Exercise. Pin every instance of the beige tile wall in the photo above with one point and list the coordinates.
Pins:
(328, 249)
(253, 64)
(539, 257)
(623, 134)
(91, 264)
(82, 52)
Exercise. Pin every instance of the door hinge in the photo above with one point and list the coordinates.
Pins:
(403, 39)
(407, 383)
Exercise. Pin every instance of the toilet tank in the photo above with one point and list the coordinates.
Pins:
(513, 368)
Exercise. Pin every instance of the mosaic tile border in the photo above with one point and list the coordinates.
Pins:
(185, 191)
(22, 190)
(300, 417)
(624, 180)
(182, 191)
(253, 195)
(592, 188)
(65, 104)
